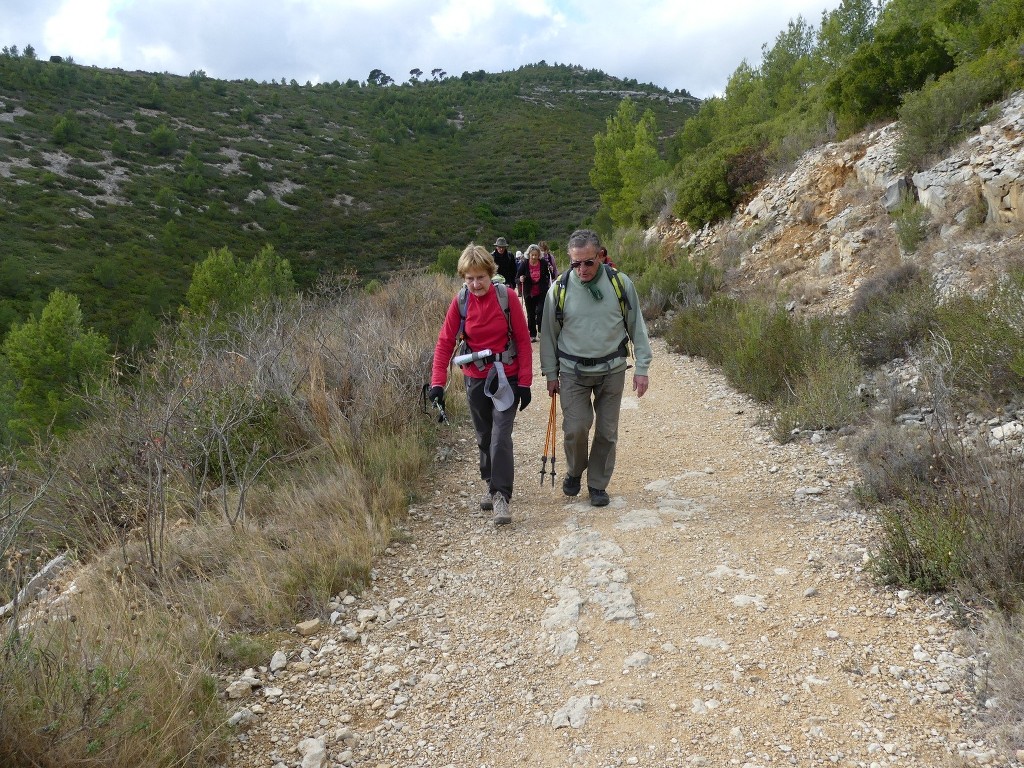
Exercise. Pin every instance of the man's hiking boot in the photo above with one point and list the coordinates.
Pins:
(598, 497)
(571, 485)
(487, 502)
(501, 515)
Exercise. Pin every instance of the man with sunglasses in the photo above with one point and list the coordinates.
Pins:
(584, 347)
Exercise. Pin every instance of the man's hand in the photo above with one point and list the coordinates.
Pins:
(640, 385)
(553, 387)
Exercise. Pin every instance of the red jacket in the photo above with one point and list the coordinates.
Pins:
(486, 328)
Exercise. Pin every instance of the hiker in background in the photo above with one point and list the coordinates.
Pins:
(533, 279)
(591, 313)
(548, 258)
(602, 254)
(505, 261)
(487, 316)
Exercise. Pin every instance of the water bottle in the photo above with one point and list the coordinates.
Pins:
(472, 357)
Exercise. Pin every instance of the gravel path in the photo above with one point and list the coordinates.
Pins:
(718, 613)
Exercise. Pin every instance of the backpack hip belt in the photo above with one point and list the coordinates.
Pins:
(587, 362)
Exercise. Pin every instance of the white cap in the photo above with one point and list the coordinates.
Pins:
(498, 389)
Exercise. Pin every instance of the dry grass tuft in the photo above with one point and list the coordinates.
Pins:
(247, 473)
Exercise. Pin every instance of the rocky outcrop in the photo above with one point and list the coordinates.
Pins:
(818, 232)
(36, 584)
(989, 165)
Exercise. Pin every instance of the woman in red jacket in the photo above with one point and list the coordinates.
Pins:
(533, 279)
(478, 320)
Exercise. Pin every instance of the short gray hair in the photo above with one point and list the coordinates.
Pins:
(581, 238)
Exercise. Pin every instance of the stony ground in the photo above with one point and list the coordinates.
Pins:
(719, 613)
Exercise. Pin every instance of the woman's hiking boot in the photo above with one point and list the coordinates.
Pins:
(502, 515)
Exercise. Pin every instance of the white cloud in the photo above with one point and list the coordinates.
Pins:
(459, 19)
(84, 28)
(671, 43)
(159, 58)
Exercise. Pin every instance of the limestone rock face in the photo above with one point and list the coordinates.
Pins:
(820, 230)
(990, 163)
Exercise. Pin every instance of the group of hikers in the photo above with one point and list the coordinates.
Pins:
(585, 319)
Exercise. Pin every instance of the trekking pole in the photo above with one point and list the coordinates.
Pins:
(544, 457)
(554, 435)
(549, 446)
(441, 415)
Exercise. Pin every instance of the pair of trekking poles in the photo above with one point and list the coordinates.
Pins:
(550, 438)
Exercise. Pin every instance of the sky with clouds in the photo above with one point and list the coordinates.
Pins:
(688, 44)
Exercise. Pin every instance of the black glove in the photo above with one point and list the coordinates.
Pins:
(524, 397)
(436, 395)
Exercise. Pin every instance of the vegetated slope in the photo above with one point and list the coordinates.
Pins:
(814, 235)
(114, 184)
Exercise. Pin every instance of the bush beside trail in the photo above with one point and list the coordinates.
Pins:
(248, 471)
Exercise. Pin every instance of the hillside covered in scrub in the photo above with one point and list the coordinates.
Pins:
(115, 184)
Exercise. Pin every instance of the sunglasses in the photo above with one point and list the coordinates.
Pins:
(585, 263)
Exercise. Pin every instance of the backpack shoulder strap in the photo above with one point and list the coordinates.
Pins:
(502, 290)
(560, 287)
(463, 300)
(620, 293)
(510, 351)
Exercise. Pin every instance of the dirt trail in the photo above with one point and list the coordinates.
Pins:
(717, 613)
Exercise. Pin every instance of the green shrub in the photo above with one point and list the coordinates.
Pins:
(53, 359)
(985, 336)
(824, 394)
(85, 171)
(990, 488)
(664, 276)
(902, 470)
(761, 349)
(894, 462)
(767, 352)
(163, 140)
(944, 111)
(704, 330)
(891, 313)
(922, 544)
(447, 261)
(525, 231)
(703, 193)
(802, 367)
(952, 516)
(664, 284)
(66, 130)
(911, 225)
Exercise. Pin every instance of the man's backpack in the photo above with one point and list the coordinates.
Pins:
(620, 293)
(461, 346)
(617, 286)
